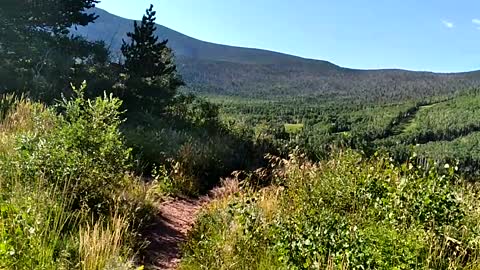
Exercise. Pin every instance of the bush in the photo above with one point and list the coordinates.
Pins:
(65, 184)
(345, 213)
(83, 152)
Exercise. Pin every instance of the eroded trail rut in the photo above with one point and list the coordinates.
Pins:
(177, 216)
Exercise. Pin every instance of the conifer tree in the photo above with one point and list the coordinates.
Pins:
(152, 79)
(36, 52)
(55, 16)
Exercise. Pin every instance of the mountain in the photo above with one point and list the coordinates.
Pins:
(112, 29)
(210, 68)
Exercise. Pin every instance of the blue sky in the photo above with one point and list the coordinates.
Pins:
(434, 35)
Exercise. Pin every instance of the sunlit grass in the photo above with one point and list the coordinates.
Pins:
(101, 243)
(344, 213)
(293, 128)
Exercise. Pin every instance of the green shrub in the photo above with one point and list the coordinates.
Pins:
(84, 151)
(231, 238)
(65, 180)
(349, 212)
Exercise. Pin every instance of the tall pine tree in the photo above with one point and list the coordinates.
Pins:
(152, 79)
(36, 52)
(51, 15)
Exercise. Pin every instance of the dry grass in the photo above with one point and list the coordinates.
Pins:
(270, 202)
(22, 116)
(227, 188)
(224, 194)
(101, 244)
(6, 144)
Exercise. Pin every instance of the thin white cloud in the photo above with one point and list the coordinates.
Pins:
(448, 24)
(477, 23)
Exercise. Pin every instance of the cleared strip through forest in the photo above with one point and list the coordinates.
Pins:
(404, 129)
(408, 121)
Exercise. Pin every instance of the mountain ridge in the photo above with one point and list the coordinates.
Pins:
(210, 68)
(182, 44)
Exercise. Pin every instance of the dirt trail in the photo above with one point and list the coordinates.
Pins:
(177, 216)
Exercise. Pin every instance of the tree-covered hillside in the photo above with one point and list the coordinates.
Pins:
(209, 68)
(316, 80)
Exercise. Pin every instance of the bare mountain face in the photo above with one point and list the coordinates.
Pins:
(210, 68)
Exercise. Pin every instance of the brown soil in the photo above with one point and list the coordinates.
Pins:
(177, 216)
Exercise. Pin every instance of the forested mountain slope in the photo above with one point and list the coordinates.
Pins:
(225, 70)
(112, 29)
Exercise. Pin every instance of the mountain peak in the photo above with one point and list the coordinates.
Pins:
(112, 29)
(210, 68)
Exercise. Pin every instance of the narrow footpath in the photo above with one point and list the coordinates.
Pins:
(177, 217)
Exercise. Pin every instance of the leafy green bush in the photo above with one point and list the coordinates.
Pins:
(84, 151)
(345, 213)
(65, 185)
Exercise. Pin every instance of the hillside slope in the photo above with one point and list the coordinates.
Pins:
(210, 68)
(112, 29)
